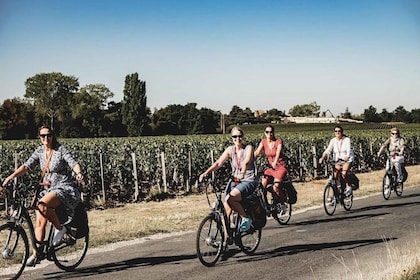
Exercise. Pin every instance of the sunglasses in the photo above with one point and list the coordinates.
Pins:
(338, 131)
(237, 136)
(394, 133)
(268, 132)
(45, 135)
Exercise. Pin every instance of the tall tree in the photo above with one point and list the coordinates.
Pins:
(51, 94)
(134, 110)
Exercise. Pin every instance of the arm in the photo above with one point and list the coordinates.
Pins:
(327, 151)
(402, 147)
(217, 164)
(258, 150)
(23, 169)
(383, 147)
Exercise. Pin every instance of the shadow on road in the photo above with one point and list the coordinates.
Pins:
(117, 266)
(296, 249)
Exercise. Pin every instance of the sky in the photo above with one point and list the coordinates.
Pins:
(341, 54)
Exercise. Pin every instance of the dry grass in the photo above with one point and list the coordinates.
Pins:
(184, 214)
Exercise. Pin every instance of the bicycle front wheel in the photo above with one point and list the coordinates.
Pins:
(281, 213)
(347, 201)
(14, 251)
(386, 187)
(70, 254)
(399, 189)
(209, 240)
(330, 203)
(249, 241)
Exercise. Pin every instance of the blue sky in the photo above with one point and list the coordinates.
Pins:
(257, 54)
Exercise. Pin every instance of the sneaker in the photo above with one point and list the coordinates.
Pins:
(349, 191)
(58, 236)
(33, 260)
(246, 224)
(283, 209)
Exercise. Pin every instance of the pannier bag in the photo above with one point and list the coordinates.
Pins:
(405, 173)
(291, 192)
(354, 181)
(80, 224)
(258, 214)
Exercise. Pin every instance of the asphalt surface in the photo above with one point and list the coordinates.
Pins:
(348, 245)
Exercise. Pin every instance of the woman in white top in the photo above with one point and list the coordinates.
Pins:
(343, 155)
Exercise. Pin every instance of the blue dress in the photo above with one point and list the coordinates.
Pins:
(59, 176)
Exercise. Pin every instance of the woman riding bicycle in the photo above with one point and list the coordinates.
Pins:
(58, 185)
(395, 145)
(244, 174)
(343, 156)
(273, 150)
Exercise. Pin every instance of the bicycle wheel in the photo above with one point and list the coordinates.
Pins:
(14, 251)
(281, 214)
(386, 187)
(249, 241)
(330, 203)
(399, 189)
(70, 254)
(347, 201)
(209, 240)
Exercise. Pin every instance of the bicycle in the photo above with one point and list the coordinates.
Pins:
(334, 194)
(14, 242)
(215, 231)
(281, 212)
(390, 181)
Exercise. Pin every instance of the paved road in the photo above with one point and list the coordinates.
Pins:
(347, 245)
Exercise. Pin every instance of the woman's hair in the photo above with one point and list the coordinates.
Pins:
(237, 128)
(54, 142)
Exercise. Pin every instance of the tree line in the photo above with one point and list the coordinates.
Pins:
(88, 112)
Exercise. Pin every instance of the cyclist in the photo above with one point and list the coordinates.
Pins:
(395, 145)
(343, 155)
(59, 187)
(273, 150)
(244, 173)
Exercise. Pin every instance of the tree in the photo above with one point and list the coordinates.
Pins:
(370, 114)
(305, 110)
(385, 116)
(17, 119)
(401, 115)
(415, 116)
(88, 109)
(51, 94)
(134, 110)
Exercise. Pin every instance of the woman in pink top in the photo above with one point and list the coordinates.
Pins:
(273, 150)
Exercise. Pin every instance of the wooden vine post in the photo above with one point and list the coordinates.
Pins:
(165, 186)
(136, 180)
